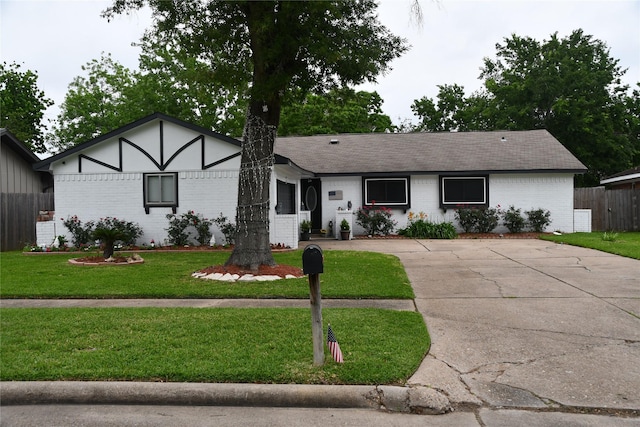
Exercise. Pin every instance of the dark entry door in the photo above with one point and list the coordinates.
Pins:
(312, 201)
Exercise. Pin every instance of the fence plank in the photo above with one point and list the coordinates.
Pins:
(18, 214)
(611, 209)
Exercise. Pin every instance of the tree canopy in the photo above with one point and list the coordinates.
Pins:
(570, 86)
(22, 105)
(338, 111)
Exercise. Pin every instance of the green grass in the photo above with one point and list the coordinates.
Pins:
(348, 274)
(623, 243)
(208, 345)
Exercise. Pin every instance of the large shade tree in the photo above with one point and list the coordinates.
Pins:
(570, 86)
(277, 46)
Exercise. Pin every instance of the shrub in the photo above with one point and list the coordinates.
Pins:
(478, 220)
(467, 218)
(80, 234)
(420, 228)
(487, 220)
(513, 220)
(227, 228)
(186, 226)
(538, 219)
(375, 220)
(111, 230)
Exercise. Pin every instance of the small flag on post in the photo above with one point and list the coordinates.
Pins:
(334, 347)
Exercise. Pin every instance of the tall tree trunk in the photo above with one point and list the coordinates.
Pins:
(252, 247)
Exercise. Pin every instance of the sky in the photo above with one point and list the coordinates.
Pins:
(55, 38)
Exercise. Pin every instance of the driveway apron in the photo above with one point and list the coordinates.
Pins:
(524, 323)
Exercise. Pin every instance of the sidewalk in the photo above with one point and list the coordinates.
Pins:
(523, 332)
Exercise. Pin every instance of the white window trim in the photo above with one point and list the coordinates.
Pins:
(383, 203)
(459, 202)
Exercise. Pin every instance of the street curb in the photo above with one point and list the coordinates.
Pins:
(419, 400)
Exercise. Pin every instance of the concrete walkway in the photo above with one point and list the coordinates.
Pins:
(523, 332)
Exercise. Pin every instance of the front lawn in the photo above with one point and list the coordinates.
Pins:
(347, 274)
(624, 243)
(208, 345)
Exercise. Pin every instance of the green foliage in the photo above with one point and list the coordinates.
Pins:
(467, 218)
(421, 228)
(344, 225)
(111, 96)
(626, 244)
(609, 237)
(337, 111)
(110, 230)
(227, 228)
(22, 106)
(513, 219)
(569, 86)
(479, 220)
(80, 234)
(305, 226)
(115, 229)
(187, 226)
(538, 219)
(376, 220)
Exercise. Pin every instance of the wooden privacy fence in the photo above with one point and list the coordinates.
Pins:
(616, 210)
(18, 214)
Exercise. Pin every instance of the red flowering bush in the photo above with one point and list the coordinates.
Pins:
(187, 225)
(376, 220)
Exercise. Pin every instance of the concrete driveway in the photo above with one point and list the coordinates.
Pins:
(524, 323)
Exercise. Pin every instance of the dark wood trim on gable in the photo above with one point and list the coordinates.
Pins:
(162, 165)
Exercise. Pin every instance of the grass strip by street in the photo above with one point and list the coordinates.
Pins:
(623, 243)
(208, 345)
(348, 274)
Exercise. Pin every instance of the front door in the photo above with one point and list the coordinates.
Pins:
(311, 192)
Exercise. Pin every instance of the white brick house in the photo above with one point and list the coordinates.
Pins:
(159, 164)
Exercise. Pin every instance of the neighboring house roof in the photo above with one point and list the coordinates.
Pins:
(628, 176)
(44, 164)
(18, 146)
(411, 153)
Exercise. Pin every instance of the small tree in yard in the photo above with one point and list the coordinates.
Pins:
(111, 230)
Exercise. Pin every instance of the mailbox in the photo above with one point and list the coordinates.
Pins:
(312, 260)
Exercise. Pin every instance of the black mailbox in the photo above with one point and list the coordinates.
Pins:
(312, 260)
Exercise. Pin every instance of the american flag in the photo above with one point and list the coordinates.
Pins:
(334, 347)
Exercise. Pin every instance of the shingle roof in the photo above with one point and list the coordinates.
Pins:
(459, 152)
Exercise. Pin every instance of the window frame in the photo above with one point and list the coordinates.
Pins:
(385, 203)
(173, 204)
(445, 204)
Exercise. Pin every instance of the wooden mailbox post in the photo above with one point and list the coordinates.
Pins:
(313, 265)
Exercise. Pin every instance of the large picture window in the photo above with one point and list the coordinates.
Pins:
(386, 191)
(467, 190)
(160, 190)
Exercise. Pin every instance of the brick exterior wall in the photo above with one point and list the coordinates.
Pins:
(553, 192)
